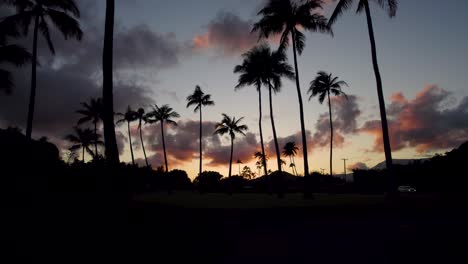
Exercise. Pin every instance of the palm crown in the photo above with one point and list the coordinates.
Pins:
(390, 6)
(199, 99)
(290, 149)
(230, 126)
(10, 54)
(261, 66)
(61, 13)
(325, 83)
(91, 111)
(287, 17)
(129, 116)
(83, 138)
(164, 113)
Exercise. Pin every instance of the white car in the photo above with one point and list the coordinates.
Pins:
(406, 189)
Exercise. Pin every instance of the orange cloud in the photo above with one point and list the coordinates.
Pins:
(424, 123)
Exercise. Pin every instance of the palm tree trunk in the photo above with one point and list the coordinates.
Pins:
(383, 115)
(278, 156)
(143, 145)
(130, 141)
(200, 166)
(261, 131)
(83, 154)
(294, 162)
(164, 145)
(331, 135)
(301, 108)
(32, 95)
(230, 160)
(291, 162)
(95, 142)
(112, 152)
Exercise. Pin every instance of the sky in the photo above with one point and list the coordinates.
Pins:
(164, 48)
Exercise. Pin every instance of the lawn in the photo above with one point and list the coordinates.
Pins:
(187, 199)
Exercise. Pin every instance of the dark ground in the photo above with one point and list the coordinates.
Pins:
(97, 229)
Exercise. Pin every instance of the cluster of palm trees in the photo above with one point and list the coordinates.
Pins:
(289, 19)
(261, 67)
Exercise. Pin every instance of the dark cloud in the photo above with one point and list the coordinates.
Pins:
(244, 150)
(345, 112)
(430, 121)
(74, 74)
(228, 34)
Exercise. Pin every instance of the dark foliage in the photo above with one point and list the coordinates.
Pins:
(208, 181)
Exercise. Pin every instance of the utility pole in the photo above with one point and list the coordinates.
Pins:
(344, 160)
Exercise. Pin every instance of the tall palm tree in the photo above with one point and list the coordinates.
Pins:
(84, 138)
(288, 18)
(141, 116)
(92, 112)
(129, 116)
(261, 66)
(290, 150)
(232, 127)
(322, 86)
(199, 99)
(10, 54)
(391, 7)
(163, 114)
(41, 13)
(112, 152)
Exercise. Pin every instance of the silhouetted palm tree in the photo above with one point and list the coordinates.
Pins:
(84, 138)
(112, 151)
(41, 13)
(290, 150)
(287, 18)
(232, 127)
(163, 114)
(92, 112)
(322, 86)
(391, 7)
(261, 160)
(141, 116)
(129, 116)
(10, 54)
(199, 99)
(261, 66)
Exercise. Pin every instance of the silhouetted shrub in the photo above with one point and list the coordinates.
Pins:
(178, 180)
(233, 184)
(208, 181)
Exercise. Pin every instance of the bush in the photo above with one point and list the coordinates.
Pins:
(233, 184)
(208, 181)
(178, 180)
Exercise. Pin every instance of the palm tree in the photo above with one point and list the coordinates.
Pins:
(287, 18)
(322, 86)
(163, 114)
(261, 160)
(41, 13)
(290, 150)
(129, 116)
(391, 7)
(261, 66)
(199, 99)
(112, 152)
(92, 112)
(10, 54)
(232, 127)
(141, 116)
(83, 138)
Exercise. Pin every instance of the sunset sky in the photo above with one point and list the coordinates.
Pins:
(162, 49)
